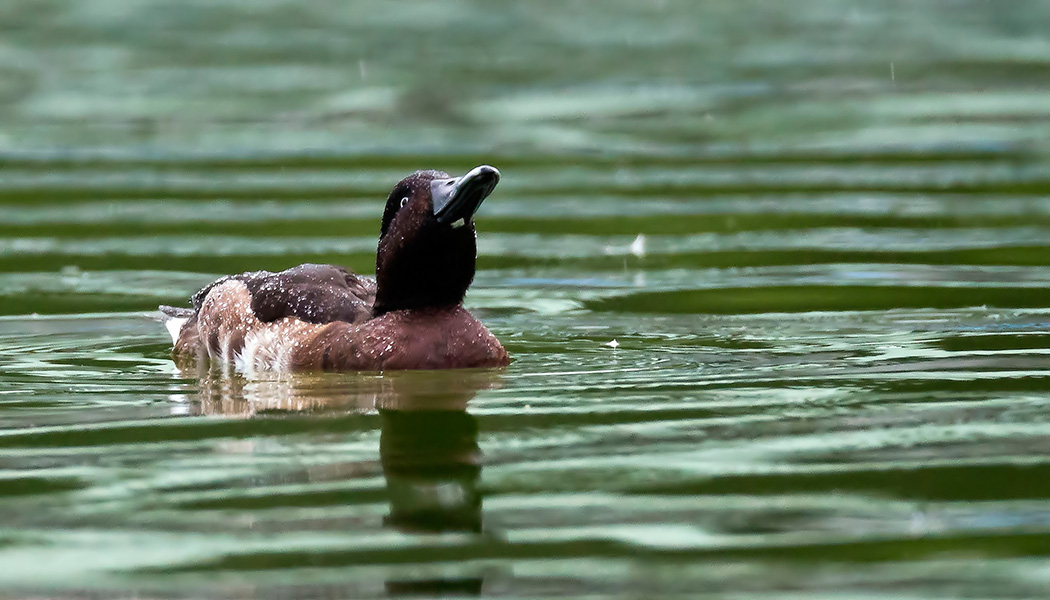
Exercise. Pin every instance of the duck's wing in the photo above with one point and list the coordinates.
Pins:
(311, 293)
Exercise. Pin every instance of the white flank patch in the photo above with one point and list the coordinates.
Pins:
(224, 345)
(174, 327)
(458, 223)
(267, 349)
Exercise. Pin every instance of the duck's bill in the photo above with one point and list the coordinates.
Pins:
(456, 200)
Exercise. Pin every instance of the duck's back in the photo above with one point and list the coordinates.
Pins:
(309, 293)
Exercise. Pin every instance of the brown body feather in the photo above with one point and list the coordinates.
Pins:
(226, 329)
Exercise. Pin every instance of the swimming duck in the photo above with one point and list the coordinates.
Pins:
(325, 317)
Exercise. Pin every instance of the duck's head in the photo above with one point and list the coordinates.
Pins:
(428, 244)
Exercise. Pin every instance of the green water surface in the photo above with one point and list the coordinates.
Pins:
(818, 232)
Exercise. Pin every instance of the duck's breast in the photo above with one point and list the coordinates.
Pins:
(448, 338)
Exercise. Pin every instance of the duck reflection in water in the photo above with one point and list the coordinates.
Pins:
(428, 444)
(431, 462)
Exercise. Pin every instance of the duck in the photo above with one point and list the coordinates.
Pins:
(315, 317)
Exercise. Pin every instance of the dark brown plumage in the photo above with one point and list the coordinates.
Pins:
(324, 317)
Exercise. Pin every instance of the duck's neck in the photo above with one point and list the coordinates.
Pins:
(419, 280)
(417, 303)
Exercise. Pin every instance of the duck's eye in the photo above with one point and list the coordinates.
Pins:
(404, 201)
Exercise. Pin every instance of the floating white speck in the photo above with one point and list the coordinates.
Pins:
(613, 344)
(638, 246)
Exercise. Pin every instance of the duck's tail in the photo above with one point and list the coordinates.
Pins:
(174, 318)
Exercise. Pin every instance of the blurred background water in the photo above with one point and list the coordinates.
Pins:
(819, 232)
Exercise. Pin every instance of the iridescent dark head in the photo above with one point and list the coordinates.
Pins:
(427, 243)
